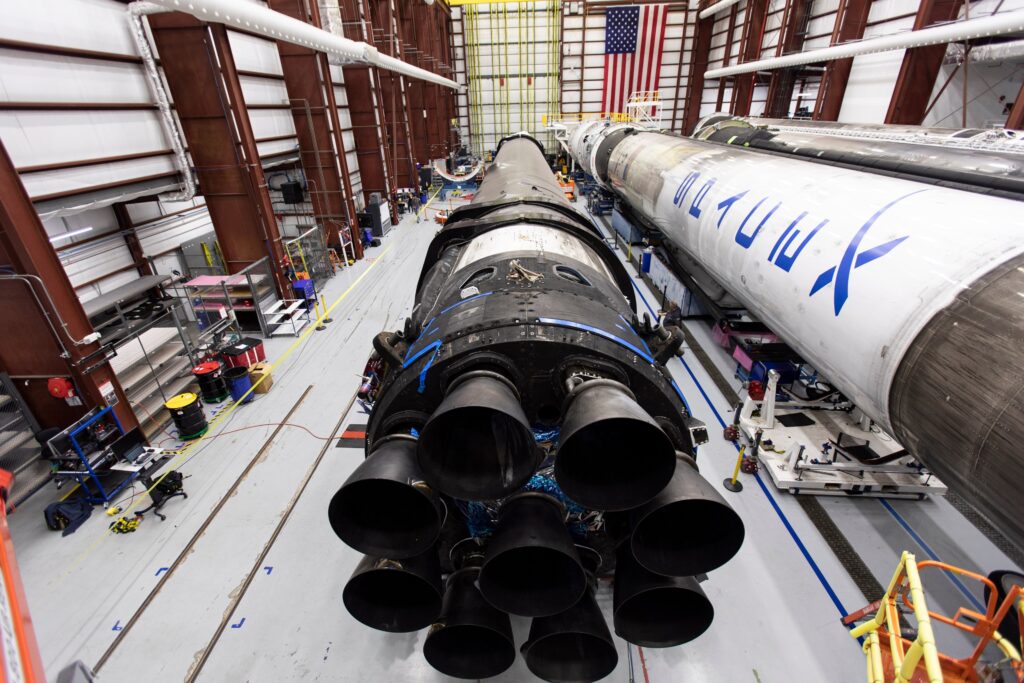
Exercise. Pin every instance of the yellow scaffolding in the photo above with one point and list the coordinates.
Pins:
(891, 657)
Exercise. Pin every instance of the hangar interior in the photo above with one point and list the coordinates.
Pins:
(423, 340)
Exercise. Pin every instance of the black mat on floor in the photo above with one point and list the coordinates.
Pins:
(795, 420)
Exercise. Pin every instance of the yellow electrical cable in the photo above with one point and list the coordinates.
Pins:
(223, 414)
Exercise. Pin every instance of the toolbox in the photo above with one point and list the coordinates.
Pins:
(246, 352)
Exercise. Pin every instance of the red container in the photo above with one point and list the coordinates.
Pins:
(206, 368)
(246, 352)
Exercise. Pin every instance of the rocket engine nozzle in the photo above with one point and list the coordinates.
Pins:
(478, 444)
(532, 567)
(385, 507)
(657, 611)
(398, 596)
(471, 639)
(687, 529)
(612, 455)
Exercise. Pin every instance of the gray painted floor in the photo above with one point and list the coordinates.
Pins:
(257, 595)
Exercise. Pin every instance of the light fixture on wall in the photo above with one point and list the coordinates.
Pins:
(67, 235)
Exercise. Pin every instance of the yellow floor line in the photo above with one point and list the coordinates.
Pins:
(430, 201)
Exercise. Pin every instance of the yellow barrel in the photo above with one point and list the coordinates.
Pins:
(187, 413)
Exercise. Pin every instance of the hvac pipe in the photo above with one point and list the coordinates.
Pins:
(256, 18)
(716, 8)
(904, 294)
(969, 29)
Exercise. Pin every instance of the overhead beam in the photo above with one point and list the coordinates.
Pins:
(253, 17)
(920, 67)
(851, 20)
(44, 317)
(201, 74)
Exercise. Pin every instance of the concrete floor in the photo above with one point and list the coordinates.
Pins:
(243, 581)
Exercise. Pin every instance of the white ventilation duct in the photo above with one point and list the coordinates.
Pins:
(716, 8)
(970, 29)
(255, 18)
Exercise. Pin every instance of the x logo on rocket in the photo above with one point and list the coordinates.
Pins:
(853, 259)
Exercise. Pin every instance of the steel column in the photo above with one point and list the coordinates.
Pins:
(418, 93)
(200, 71)
(36, 343)
(131, 240)
(387, 38)
(851, 20)
(695, 77)
(368, 116)
(920, 66)
(753, 36)
(307, 79)
(794, 29)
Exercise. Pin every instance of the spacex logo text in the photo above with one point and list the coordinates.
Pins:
(751, 213)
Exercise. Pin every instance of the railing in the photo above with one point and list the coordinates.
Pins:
(616, 117)
(883, 637)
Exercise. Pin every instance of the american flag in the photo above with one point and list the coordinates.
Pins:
(632, 52)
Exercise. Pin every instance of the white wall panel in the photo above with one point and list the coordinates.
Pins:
(263, 90)
(267, 123)
(87, 24)
(68, 179)
(48, 137)
(36, 77)
(252, 53)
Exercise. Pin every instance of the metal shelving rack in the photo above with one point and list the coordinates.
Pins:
(244, 297)
(20, 453)
(153, 364)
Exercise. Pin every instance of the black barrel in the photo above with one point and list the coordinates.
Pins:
(212, 385)
(187, 413)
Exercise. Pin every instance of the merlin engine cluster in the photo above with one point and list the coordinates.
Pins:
(525, 440)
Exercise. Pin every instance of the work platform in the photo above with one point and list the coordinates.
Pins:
(243, 581)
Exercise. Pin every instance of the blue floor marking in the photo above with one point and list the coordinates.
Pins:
(931, 553)
(771, 499)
